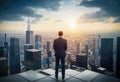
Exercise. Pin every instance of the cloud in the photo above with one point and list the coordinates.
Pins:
(16, 10)
(109, 8)
(117, 20)
(99, 16)
(46, 19)
(59, 20)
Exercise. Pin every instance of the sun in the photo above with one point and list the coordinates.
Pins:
(72, 24)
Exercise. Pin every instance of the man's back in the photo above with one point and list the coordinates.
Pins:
(60, 46)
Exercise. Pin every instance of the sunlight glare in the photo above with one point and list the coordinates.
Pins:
(72, 24)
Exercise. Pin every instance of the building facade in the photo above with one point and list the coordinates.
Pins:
(14, 56)
(107, 53)
(33, 58)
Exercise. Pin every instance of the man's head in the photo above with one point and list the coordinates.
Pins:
(60, 33)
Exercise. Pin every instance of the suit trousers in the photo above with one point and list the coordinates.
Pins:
(62, 66)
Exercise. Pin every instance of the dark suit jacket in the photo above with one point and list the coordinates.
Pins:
(60, 46)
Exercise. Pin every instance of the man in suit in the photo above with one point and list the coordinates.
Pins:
(60, 46)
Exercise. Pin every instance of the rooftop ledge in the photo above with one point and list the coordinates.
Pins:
(48, 75)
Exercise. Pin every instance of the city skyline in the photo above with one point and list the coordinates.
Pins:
(76, 16)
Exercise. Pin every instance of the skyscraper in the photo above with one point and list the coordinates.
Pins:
(5, 47)
(1, 51)
(3, 67)
(96, 50)
(33, 58)
(14, 56)
(78, 48)
(38, 42)
(81, 61)
(26, 47)
(48, 54)
(38, 45)
(29, 34)
(38, 38)
(48, 47)
(95, 47)
(107, 53)
(69, 58)
(86, 49)
(118, 58)
(99, 44)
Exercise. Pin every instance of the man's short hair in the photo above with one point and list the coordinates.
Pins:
(60, 33)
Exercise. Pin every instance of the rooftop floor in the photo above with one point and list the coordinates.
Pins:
(48, 75)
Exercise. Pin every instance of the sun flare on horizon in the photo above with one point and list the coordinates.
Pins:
(72, 24)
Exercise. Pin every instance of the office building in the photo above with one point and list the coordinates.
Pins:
(99, 44)
(29, 34)
(33, 58)
(29, 37)
(38, 45)
(86, 49)
(3, 67)
(44, 47)
(1, 51)
(38, 38)
(69, 58)
(26, 47)
(107, 53)
(14, 56)
(38, 42)
(6, 49)
(95, 47)
(118, 58)
(48, 47)
(81, 61)
(48, 54)
(78, 48)
(49, 58)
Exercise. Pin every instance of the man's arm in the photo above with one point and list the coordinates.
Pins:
(54, 45)
(65, 45)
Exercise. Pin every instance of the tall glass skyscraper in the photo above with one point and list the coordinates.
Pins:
(29, 34)
(107, 53)
(48, 47)
(78, 48)
(1, 51)
(38, 38)
(38, 42)
(14, 56)
(118, 58)
(29, 37)
(6, 49)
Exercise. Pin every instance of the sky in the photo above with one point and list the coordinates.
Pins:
(79, 16)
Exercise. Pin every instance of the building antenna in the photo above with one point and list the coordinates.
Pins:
(28, 25)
